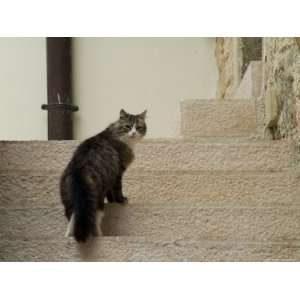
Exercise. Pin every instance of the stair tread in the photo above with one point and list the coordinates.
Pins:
(215, 194)
(158, 155)
(224, 188)
(169, 221)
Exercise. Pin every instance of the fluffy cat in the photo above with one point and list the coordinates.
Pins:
(95, 172)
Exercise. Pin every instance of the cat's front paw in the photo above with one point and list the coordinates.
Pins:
(110, 197)
(122, 200)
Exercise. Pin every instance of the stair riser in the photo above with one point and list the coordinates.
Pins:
(158, 156)
(36, 155)
(148, 250)
(217, 118)
(158, 221)
(19, 190)
(214, 157)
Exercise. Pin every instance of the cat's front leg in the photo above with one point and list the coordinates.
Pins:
(118, 192)
(110, 196)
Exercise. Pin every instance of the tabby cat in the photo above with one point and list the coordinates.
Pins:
(95, 172)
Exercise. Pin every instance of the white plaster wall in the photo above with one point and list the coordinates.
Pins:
(23, 88)
(137, 74)
(109, 74)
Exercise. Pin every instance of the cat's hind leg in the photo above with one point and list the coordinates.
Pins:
(99, 217)
(70, 228)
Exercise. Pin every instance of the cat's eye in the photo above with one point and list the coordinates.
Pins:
(128, 127)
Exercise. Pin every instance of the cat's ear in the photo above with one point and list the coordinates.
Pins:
(123, 113)
(143, 114)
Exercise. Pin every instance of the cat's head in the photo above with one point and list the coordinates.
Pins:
(131, 128)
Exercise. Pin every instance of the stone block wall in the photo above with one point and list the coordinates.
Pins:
(282, 86)
(228, 61)
(233, 56)
(280, 97)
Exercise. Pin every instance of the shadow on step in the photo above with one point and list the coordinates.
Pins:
(88, 251)
(110, 226)
(111, 223)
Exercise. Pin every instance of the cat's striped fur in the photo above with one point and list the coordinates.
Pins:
(95, 172)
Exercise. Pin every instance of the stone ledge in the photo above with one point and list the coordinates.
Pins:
(125, 249)
(158, 155)
(206, 188)
(169, 221)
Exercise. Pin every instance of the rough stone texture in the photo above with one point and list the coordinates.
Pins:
(197, 156)
(280, 79)
(22, 190)
(147, 249)
(228, 55)
(217, 118)
(169, 222)
(239, 78)
(233, 57)
(251, 84)
(158, 155)
(36, 155)
(203, 199)
(282, 86)
(260, 118)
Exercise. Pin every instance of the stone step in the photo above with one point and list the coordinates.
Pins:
(22, 189)
(167, 222)
(218, 118)
(147, 249)
(158, 155)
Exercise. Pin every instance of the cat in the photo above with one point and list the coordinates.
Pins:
(95, 172)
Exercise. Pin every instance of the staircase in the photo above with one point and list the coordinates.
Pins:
(216, 194)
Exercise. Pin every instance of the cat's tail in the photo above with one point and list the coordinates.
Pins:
(84, 207)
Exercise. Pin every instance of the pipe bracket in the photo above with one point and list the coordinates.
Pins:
(60, 106)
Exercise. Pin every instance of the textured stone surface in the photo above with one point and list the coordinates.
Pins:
(25, 190)
(229, 61)
(157, 221)
(282, 81)
(217, 118)
(158, 155)
(35, 155)
(146, 249)
(196, 156)
(204, 199)
(271, 109)
(233, 56)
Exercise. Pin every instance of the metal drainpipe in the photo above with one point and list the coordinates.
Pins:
(59, 89)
